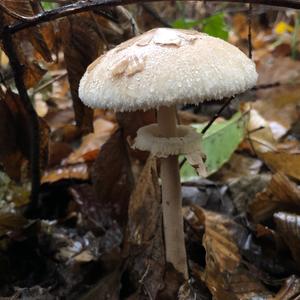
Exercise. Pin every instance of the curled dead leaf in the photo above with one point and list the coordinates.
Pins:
(224, 274)
(288, 226)
(281, 193)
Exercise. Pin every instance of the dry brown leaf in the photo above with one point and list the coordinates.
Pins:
(130, 122)
(144, 242)
(224, 275)
(85, 36)
(76, 171)
(290, 290)
(288, 226)
(280, 194)
(30, 44)
(287, 163)
(278, 105)
(11, 222)
(82, 44)
(145, 206)
(112, 176)
(14, 136)
(259, 131)
(92, 142)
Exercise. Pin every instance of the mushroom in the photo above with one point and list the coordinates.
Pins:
(159, 69)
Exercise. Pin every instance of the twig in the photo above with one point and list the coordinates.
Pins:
(216, 115)
(250, 30)
(34, 137)
(82, 6)
(266, 86)
(41, 87)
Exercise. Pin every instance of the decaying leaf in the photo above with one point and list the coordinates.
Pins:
(92, 141)
(14, 136)
(30, 44)
(145, 206)
(74, 171)
(11, 222)
(144, 243)
(108, 288)
(259, 132)
(278, 105)
(112, 176)
(280, 194)
(224, 274)
(130, 122)
(290, 290)
(85, 36)
(288, 226)
(287, 163)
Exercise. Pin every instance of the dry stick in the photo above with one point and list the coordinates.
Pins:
(216, 115)
(46, 84)
(171, 196)
(34, 138)
(82, 6)
(250, 30)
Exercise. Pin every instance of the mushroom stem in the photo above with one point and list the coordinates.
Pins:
(171, 196)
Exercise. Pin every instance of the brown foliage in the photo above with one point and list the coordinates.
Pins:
(14, 130)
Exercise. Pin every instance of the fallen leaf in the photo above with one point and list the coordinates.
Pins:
(75, 171)
(224, 273)
(260, 135)
(92, 142)
(11, 222)
(85, 37)
(15, 136)
(218, 144)
(112, 176)
(280, 194)
(143, 241)
(130, 122)
(287, 163)
(290, 290)
(278, 105)
(288, 227)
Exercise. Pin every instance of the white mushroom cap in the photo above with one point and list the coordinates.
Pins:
(163, 67)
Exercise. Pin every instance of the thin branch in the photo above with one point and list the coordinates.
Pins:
(266, 86)
(82, 6)
(34, 135)
(46, 84)
(217, 114)
(250, 30)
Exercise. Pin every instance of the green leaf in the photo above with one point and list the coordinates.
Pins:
(183, 23)
(218, 143)
(216, 26)
(49, 5)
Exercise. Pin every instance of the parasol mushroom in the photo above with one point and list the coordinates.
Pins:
(159, 69)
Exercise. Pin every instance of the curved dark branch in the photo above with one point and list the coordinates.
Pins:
(82, 6)
(34, 135)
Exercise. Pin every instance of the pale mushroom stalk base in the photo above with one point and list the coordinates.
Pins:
(171, 196)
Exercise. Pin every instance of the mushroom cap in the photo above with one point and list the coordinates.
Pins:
(163, 67)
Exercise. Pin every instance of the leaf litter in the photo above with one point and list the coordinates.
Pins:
(99, 235)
